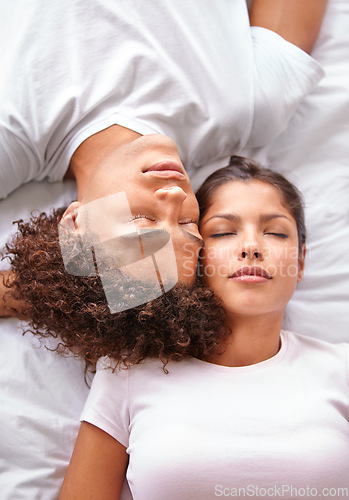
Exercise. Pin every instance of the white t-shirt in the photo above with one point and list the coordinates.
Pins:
(194, 71)
(206, 430)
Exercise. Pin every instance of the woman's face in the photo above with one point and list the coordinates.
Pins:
(149, 172)
(250, 257)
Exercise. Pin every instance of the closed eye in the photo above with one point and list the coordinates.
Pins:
(189, 221)
(221, 235)
(141, 216)
(278, 235)
(188, 234)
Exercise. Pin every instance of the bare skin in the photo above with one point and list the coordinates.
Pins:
(97, 468)
(93, 151)
(297, 21)
(248, 227)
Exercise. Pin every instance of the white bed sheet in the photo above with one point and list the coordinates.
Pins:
(42, 394)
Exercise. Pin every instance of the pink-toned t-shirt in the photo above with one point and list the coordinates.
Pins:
(205, 430)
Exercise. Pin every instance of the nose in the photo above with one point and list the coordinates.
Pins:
(172, 199)
(251, 251)
(171, 193)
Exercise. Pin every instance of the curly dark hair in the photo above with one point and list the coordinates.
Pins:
(186, 321)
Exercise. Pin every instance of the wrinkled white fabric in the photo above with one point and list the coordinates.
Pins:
(74, 67)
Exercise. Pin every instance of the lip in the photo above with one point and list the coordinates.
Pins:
(167, 169)
(251, 274)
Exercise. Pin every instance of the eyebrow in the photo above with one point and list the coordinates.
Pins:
(155, 233)
(268, 217)
(193, 237)
(149, 235)
(230, 217)
(237, 218)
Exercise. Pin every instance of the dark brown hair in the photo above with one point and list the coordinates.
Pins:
(245, 169)
(186, 321)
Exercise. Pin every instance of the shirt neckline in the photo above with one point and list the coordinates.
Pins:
(249, 368)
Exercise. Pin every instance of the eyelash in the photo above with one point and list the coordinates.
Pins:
(279, 235)
(143, 216)
(218, 235)
(191, 221)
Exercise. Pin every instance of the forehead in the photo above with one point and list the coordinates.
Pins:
(252, 196)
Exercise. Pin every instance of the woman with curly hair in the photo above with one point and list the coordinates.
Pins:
(266, 414)
(106, 128)
(120, 95)
(74, 309)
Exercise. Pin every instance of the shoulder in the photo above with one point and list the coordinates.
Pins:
(317, 351)
(314, 343)
(110, 370)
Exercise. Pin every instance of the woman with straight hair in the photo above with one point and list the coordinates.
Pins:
(266, 414)
(132, 97)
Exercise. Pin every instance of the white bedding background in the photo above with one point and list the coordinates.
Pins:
(42, 394)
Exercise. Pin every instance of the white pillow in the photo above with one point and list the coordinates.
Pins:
(42, 394)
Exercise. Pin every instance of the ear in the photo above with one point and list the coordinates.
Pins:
(77, 260)
(70, 216)
(301, 260)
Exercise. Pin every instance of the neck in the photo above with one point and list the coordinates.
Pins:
(88, 156)
(252, 340)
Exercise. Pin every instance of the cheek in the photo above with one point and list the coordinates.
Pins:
(219, 254)
(214, 264)
(283, 262)
(187, 262)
